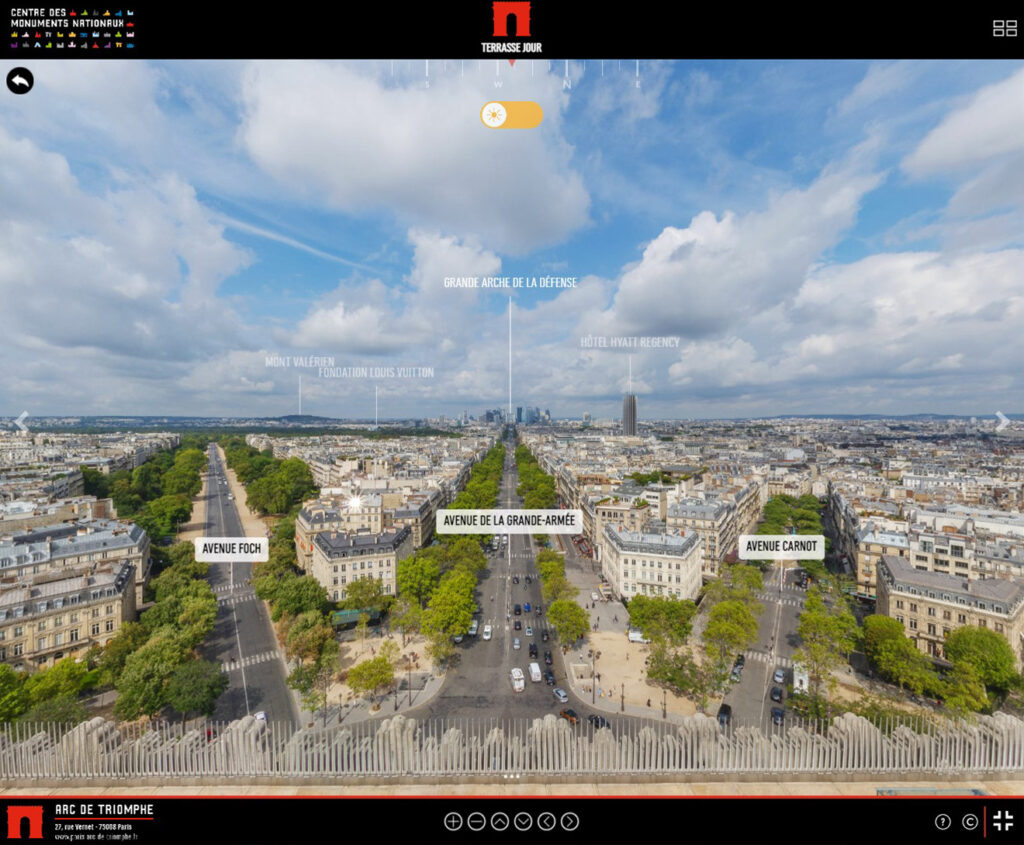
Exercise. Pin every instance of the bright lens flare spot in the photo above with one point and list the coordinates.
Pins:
(355, 503)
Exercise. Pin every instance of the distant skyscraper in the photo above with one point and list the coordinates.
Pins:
(629, 414)
(519, 414)
(629, 406)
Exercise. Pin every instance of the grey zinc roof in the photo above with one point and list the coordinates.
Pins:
(993, 589)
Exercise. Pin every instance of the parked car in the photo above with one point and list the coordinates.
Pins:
(778, 715)
(536, 610)
(547, 658)
(533, 650)
(515, 643)
(780, 676)
(459, 638)
(518, 680)
(549, 677)
(724, 715)
(737, 672)
(474, 626)
(517, 610)
(526, 607)
(594, 596)
(487, 632)
(776, 694)
(519, 625)
(570, 716)
(560, 695)
(529, 631)
(260, 715)
(740, 661)
(544, 635)
(598, 721)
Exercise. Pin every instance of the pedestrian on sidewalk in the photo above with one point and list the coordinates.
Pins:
(648, 702)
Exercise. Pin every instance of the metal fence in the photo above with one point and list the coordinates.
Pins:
(401, 747)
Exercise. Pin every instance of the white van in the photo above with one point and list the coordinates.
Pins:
(535, 672)
(637, 636)
(518, 682)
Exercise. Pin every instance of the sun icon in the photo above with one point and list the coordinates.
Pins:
(493, 115)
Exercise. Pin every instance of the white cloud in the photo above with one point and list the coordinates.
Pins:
(881, 80)
(721, 269)
(990, 124)
(344, 136)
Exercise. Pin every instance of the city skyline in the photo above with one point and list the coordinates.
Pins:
(799, 238)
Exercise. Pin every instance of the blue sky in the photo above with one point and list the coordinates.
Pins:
(819, 236)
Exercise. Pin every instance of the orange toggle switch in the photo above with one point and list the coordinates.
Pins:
(512, 114)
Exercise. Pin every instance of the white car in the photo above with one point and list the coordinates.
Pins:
(260, 716)
(594, 596)
(518, 680)
(487, 632)
(515, 643)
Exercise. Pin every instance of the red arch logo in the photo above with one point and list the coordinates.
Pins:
(17, 814)
(520, 9)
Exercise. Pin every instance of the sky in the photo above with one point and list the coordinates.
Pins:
(810, 237)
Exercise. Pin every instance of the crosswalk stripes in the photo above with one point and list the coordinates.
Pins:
(762, 657)
(237, 598)
(251, 660)
(789, 601)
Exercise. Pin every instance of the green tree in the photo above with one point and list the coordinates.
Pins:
(130, 637)
(307, 636)
(902, 662)
(371, 675)
(195, 686)
(465, 553)
(451, 607)
(142, 686)
(557, 588)
(296, 594)
(147, 481)
(662, 618)
(417, 576)
(439, 647)
(365, 594)
(313, 680)
(160, 516)
(407, 616)
(879, 630)
(730, 628)
(569, 620)
(828, 635)
(64, 709)
(985, 651)
(14, 698)
(698, 675)
(964, 691)
(66, 677)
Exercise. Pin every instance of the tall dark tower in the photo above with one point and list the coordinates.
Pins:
(629, 407)
(629, 414)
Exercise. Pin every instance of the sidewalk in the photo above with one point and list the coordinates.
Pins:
(252, 525)
(196, 526)
(622, 665)
(360, 710)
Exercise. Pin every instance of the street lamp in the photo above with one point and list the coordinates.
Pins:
(664, 704)
(593, 677)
